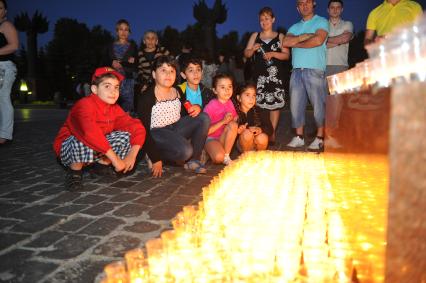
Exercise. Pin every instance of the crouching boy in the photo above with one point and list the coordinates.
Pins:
(97, 131)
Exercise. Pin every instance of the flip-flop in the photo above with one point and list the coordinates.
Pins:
(195, 166)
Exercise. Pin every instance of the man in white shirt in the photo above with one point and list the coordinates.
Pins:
(341, 32)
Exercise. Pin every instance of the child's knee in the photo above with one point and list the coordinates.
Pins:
(246, 136)
(217, 157)
(261, 139)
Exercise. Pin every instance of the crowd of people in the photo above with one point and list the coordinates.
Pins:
(185, 110)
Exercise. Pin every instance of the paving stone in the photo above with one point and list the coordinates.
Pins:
(74, 224)
(124, 197)
(29, 271)
(84, 271)
(102, 227)
(100, 209)
(65, 197)
(69, 209)
(46, 239)
(109, 191)
(6, 208)
(13, 258)
(182, 200)
(155, 197)
(123, 184)
(146, 185)
(90, 199)
(9, 239)
(70, 247)
(142, 227)
(28, 199)
(117, 246)
(38, 223)
(7, 223)
(30, 212)
(191, 189)
(164, 212)
(130, 210)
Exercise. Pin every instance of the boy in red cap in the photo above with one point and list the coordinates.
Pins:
(97, 131)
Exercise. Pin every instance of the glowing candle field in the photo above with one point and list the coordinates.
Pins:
(274, 217)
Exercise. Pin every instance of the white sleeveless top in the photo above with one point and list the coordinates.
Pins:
(165, 113)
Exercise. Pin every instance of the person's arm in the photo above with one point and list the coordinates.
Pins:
(291, 40)
(251, 47)
(214, 127)
(284, 54)
(337, 40)
(11, 35)
(317, 39)
(369, 36)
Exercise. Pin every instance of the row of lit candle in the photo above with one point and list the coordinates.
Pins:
(270, 217)
(400, 57)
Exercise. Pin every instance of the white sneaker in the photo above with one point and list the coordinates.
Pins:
(317, 144)
(296, 142)
(227, 160)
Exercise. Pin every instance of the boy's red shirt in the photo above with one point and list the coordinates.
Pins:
(91, 119)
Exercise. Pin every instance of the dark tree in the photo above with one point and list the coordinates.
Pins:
(209, 18)
(32, 27)
(170, 39)
(74, 52)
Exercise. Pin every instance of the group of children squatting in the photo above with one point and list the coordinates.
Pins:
(98, 134)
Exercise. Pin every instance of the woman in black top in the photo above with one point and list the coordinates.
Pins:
(265, 47)
(8, 45)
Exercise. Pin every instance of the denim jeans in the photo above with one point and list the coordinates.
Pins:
(304, 84)
(173, 140)
(6, 108)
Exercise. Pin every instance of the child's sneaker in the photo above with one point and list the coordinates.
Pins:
(227, 160)
(74, 180)
(195, 166)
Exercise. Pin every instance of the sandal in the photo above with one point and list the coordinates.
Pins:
(196, 166)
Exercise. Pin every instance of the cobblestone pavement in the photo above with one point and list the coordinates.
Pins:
(48, 234)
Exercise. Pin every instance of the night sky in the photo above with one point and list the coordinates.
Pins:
(157, 14)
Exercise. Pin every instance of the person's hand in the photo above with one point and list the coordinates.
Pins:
(157, 169)
(119, 165)
(116, 64)
(129, 162)
(241, 128)
(256, 46)
(131, 60)
(194, 110)
(268, 56)
(255, 130)
(228, 118)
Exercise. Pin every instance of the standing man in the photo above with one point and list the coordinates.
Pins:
(341, 33)
(390, 15)
(307, 39)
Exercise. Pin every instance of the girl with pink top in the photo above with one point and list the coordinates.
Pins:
(223, 127)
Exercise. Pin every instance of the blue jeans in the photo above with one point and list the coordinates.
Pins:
(6, 108)
(304, 84)
(173, 140)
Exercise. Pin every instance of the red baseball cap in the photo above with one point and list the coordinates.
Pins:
(106, 70)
